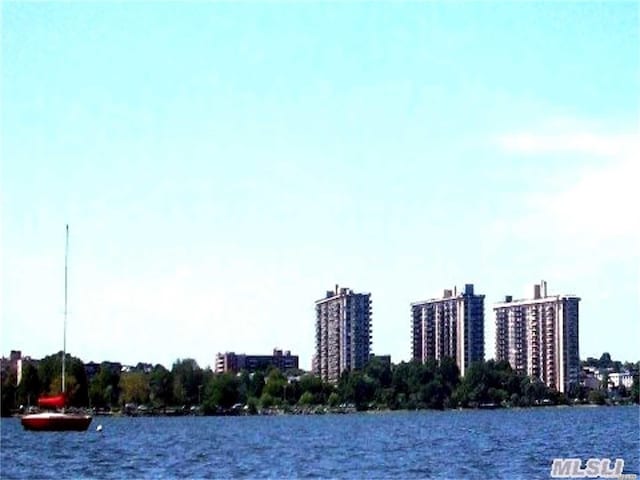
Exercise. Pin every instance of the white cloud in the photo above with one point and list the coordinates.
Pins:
(594, 205)
(586, 143)
(602, 203)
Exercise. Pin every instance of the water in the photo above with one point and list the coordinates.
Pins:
(428, 444)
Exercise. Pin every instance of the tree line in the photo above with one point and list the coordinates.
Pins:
(606, 362)
(408, 385)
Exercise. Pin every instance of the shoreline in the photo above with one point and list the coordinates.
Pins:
(321, 410)
(318, 412)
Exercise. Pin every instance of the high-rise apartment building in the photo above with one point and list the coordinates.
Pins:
(539, 337)
(451, 326)
(343, 333)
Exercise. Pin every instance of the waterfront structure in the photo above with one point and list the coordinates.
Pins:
(232, 362)
(539, 337)
(451, 326)
(343, 333)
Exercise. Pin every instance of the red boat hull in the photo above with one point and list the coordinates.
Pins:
(56, 422)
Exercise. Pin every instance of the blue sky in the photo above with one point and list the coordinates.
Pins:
(221, 165)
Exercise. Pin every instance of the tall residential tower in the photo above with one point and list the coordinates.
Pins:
(451, 326)
(539, 337)
(343, 333)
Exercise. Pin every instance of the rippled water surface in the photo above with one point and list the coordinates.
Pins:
(452, 444)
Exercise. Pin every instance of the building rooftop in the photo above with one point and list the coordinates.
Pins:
(449, 294)
(338, 292)
(539, 296)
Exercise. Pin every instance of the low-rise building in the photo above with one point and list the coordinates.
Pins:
(232, 362)
(588, 378)
(140, 367)
(621, 379)
(593, 378)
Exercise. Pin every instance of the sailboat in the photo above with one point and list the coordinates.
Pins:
(57, 419)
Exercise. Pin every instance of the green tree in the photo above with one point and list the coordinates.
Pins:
(315, 387)
(8, 393)
(222, 391)
(257, 384)
(104, 389)
(267, 401)
(462, 395)
(449, 374)
(496, 383)
(407, 379)
(306, 398)
(605, 361)
(597, 397)
(187, 379)
(379, 371)
(275, 384)
(604, 383)
(252, 405)
(161, 386)
(357, 388)
(80, 396)
(533, 390)
(577, 391)
(244, 386)
(50, 374)
(134, 388)
(49, 367)
(71, 387)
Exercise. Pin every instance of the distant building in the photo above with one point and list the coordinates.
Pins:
(92, 368)
(589, 379)
(21, 363)
(9, 366)
(232, 362)
(621, 379)
(140, 367)
(14, 356)
(539, 337)
(343, 333)
(451, 326)
(14, 365)
(594, 378)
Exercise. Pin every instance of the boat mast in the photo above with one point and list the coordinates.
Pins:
(64, 337)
